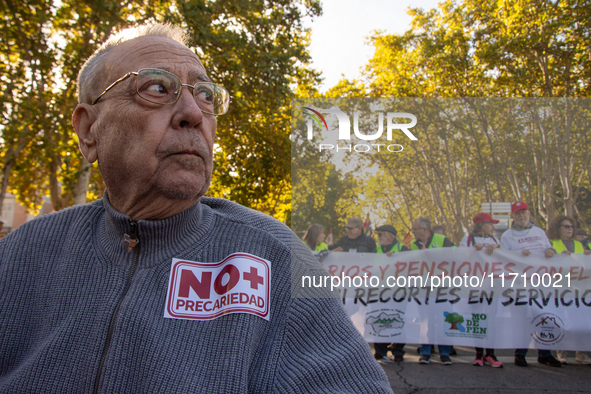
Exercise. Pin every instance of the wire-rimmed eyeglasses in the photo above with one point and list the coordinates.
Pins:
(161, 87)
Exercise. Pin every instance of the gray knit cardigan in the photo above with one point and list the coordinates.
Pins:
(77, 317)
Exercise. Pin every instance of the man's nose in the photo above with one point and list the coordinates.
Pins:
(187, 112)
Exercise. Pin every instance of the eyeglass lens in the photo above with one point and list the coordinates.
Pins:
(163, 87)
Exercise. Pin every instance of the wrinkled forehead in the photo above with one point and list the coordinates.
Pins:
(155, 52)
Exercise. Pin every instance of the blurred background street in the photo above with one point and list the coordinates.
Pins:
(462, 377)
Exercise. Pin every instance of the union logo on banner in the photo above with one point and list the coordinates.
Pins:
(203, 291)
(547, 329)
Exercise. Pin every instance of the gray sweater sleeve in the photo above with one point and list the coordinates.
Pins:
(324, 353)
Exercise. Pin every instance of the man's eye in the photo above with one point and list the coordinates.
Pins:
(204, 93)
(155, 89)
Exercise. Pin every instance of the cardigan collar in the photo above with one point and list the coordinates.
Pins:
(159, 240)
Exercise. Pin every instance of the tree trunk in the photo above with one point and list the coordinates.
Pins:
(55, 189)
(9, 160)
(81, 186)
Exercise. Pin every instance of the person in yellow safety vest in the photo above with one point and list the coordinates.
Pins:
(426, 239)
(314, 238)
(560, 232)
(389, 245)
(440, 229)
(387, 240)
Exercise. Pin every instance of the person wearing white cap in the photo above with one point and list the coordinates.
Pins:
(526, 238)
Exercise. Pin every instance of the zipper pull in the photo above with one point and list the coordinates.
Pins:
(130, 241)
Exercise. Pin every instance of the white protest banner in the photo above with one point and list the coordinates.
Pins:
(507, 307)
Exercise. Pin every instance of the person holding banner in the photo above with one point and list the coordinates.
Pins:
(355, 240)
(314, 238)
(560, 231)
(581, 236)
(389, 245)
(426, 239)
(482, 234)
(526, 238)
(482, 237)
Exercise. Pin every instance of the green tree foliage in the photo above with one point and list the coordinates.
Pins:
(257, 49)
(321, 192)
(523, 48)
(347, 88)
(471, 151)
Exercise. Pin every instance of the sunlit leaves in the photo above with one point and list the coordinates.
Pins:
(257, 49)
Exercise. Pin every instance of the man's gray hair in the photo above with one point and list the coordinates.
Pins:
(94, 71)
(439, 229)
(425, 223)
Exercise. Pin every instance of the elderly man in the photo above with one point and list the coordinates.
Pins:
(355, 240)
(427, 239)
(389, 245)
(387, 240)
(154, 288)
(526, 238)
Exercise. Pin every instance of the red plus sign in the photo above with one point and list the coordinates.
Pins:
(253, 277)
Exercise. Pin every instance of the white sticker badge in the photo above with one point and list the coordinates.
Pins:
(241, 283)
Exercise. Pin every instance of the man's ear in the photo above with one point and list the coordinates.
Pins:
(83, 118)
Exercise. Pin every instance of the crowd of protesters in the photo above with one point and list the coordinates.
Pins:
(523, 236)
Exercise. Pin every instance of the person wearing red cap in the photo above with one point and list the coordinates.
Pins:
(523, 236)
(482, 234)
(526, 238)
(482, 237)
